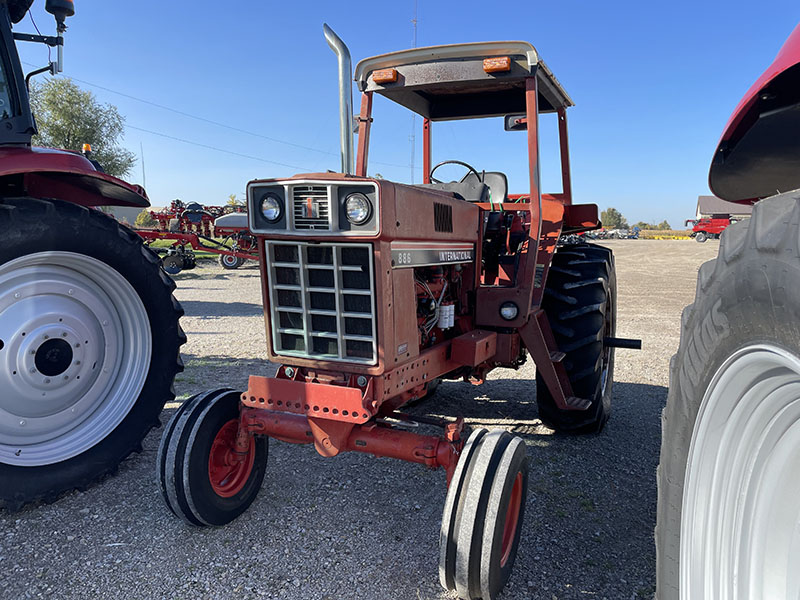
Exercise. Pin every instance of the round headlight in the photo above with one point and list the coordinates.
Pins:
(509, 311)
(358, 208)
(271, 207)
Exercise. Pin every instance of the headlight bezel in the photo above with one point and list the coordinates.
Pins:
(367, 205)
(278, 205)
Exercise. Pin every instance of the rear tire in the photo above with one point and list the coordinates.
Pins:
(483, 515)
(580, 303)
(730, 451)
(103, 337)
(701, 237)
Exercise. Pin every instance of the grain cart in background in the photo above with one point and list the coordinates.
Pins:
(375, 290)
(729, 479)
(89, 333)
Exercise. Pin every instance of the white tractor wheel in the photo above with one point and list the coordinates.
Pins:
(728, 511)
(89, 341)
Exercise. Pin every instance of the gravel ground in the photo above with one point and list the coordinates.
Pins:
(360, 527)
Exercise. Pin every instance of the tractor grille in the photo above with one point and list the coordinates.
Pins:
(322, 301)
(311, 207)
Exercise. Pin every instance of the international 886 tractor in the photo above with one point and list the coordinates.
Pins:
(374, 291)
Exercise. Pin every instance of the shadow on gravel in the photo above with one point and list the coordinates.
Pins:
(198, 308)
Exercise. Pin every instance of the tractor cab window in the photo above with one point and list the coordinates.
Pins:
(6, 109)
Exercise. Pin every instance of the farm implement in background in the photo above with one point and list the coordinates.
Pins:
(220, 230)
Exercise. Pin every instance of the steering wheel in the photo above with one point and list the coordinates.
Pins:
(470, 168)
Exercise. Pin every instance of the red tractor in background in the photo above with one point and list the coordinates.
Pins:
(89, 334)
(728, 480)
(709, 227)
(374, 291)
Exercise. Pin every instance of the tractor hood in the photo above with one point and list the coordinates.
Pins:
(759, 152)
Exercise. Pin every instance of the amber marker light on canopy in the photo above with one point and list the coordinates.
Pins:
(384, 76)
(497, 64)
(87, 148)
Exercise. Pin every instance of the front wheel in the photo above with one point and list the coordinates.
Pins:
(483, 514)
(701, 237)
(203, 480)
(730, 453)
(89, 342)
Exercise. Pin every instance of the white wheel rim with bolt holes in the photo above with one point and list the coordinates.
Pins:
(740, 522)
(76, 348)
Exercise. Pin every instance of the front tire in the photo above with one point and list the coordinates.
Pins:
(701, 237)
(483, 515)
(202, 479)
(730, 451)
(580, 303)
(90, 347)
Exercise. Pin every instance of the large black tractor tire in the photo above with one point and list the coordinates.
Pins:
(202, 479)
(730, 447)
(580, 303)
(89, 347)
(483, 514)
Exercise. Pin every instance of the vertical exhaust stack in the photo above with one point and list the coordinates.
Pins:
(345, 97)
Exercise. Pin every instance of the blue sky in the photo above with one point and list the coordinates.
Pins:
(653, 84)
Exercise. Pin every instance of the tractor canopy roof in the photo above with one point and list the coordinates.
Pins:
(462, 81)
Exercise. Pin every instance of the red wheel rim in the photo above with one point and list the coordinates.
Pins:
(512, 518)
(227, 471)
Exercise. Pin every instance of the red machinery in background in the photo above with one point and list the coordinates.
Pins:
(220, 230)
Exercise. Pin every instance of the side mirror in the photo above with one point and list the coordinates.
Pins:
(516, 122)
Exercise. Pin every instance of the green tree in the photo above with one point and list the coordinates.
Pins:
(664, 225)
(145, 220)
(69, 117)
(613, 219)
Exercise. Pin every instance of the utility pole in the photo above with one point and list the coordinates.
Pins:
(144, 179)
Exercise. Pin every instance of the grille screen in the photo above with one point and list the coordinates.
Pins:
(322, 301)
(311, 207)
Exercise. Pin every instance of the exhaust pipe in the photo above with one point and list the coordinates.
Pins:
(345, 97)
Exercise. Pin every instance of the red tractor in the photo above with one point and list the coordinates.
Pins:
(709, 227)
(728, 486)
(375, 291)
(89, 334)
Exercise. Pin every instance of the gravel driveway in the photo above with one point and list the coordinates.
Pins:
(360, 527)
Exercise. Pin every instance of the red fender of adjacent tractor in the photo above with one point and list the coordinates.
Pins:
(50, 173)
(758, 153)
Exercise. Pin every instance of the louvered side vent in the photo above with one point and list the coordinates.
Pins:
(442, 217)
(311, 207)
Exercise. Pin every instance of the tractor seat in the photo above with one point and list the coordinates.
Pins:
(496, 181)
(494, 186)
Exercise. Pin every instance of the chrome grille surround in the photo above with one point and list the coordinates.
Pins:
(322, 301)
(327, 194)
